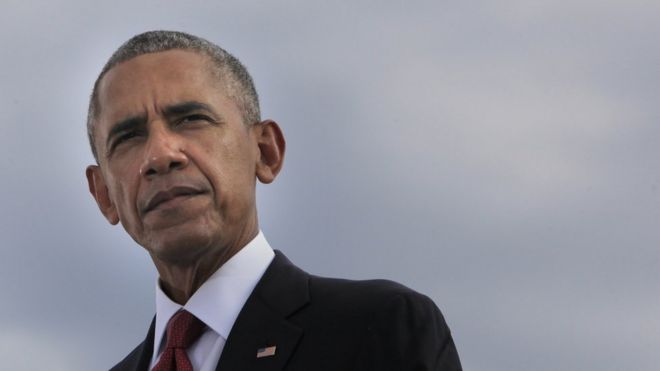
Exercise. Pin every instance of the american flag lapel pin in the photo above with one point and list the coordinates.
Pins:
(266, 351)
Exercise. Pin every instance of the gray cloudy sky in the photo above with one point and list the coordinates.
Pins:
(499, 156)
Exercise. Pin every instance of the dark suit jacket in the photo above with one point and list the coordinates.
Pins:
(328, 324)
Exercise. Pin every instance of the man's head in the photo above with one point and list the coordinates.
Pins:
(178, 149)
(228, 70)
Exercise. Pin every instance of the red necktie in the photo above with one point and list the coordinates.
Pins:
(182, 330)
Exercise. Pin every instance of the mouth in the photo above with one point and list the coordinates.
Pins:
(164, 197)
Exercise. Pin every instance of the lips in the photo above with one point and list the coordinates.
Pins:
(163, 196)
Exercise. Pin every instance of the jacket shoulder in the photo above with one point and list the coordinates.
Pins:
(382, 325)
(362, 295)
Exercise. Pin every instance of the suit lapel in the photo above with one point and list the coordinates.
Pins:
(263, 324)
(140, 357)
(144, 358)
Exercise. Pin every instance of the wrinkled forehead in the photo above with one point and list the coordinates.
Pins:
(146, 81)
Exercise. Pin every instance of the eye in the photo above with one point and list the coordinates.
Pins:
(190, 119)
(124, 137)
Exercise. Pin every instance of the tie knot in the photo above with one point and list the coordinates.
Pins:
(183, 329)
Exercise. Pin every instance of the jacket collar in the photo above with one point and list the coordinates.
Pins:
(263, 321)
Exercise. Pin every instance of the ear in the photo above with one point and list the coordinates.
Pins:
(271, 150)
(99, 191)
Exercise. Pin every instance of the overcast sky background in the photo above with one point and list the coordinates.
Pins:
(501, 157)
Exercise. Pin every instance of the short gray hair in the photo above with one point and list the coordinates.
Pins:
(230, 70)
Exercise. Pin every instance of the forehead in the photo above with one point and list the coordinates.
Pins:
(146, 83)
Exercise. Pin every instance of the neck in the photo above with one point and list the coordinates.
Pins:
(180, 281)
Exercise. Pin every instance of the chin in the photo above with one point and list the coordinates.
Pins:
(182, 249)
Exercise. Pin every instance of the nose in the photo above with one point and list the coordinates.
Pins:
(163, 153)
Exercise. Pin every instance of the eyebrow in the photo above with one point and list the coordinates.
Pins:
(125, 125)
(180, 109)
(174, 110)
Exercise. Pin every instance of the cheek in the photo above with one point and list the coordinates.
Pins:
(123, 195)
(242, 186)
(123, 201)
(128, 216)
(233, 179)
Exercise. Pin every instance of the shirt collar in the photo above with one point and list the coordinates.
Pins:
(220, 299)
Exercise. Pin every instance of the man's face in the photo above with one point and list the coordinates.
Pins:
(176, 162)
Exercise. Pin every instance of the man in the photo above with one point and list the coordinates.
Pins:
(175, 128)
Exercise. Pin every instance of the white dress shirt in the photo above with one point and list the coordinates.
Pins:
(217, 303)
